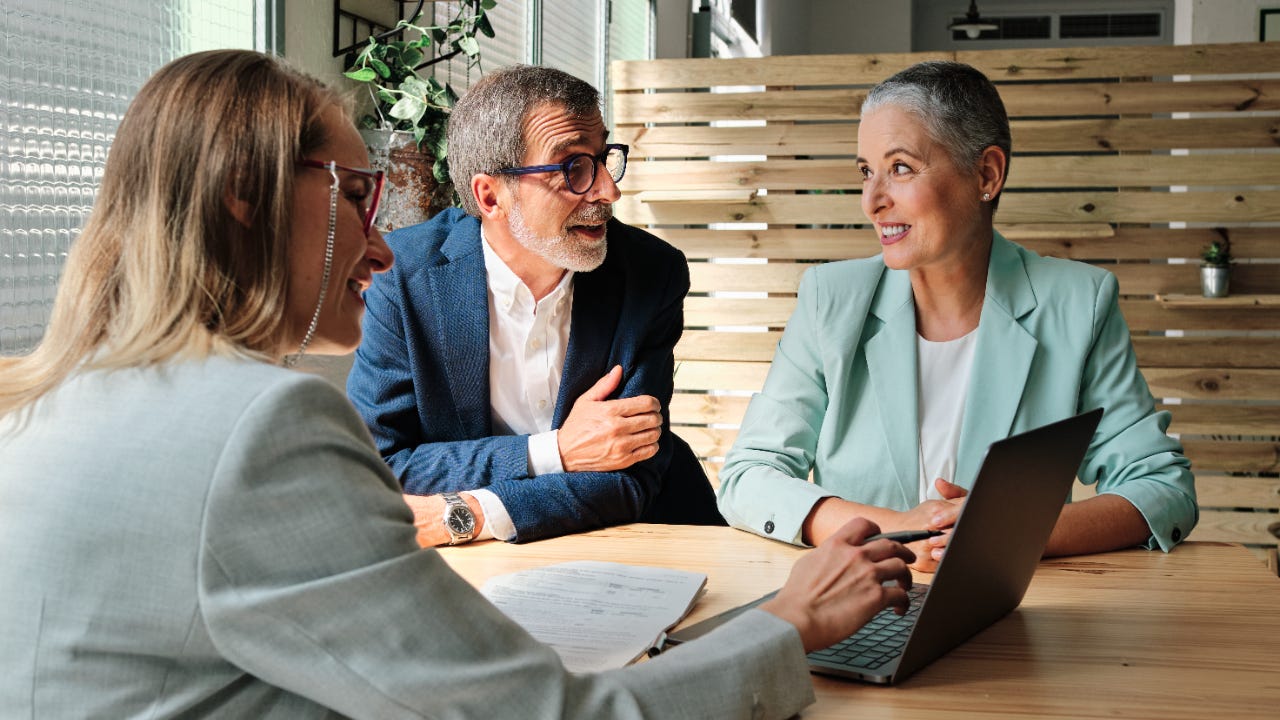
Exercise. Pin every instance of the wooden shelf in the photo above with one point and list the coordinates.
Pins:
(1174, 300)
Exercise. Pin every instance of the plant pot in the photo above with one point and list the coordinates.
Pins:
(411, 194)
(1215, 280)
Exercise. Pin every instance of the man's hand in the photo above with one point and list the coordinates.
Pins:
(841, 584)
(605, 435)
(428, 517)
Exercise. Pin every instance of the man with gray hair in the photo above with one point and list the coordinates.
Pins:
(517, 360)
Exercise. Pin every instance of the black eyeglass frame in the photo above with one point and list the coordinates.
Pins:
(565, 167)
(378, 177)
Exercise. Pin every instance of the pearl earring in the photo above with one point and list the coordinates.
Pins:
(986, 196)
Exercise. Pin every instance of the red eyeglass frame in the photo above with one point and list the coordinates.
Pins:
(378, 177)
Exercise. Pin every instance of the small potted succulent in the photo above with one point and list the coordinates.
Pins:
(408, 113)
(1215, 271)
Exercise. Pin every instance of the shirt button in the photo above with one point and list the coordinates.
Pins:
(768, 527)
(542, 404)
(536, 344)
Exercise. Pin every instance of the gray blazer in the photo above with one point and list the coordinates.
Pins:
(219, 539)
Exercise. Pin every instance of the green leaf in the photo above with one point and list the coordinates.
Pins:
(440, 170)
(488, 4)
(407, 108)
(381, 67)
(439, 34)
(419, 134)
(364, 74)
(484, 26)
(414, 85)
(387, 97)
(411, 57)
(469, 46)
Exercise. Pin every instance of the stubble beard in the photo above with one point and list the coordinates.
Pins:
(562, 250)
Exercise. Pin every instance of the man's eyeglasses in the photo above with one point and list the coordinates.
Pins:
(371, 200)
(580, 169)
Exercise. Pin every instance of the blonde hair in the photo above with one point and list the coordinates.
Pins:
(163, 269)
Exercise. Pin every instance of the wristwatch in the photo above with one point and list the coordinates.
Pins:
(458, 519)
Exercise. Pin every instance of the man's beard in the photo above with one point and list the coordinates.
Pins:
(562, 250)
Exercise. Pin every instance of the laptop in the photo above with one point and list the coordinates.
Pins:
(995, 546)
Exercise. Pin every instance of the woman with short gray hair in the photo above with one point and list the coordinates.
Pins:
(896, 372)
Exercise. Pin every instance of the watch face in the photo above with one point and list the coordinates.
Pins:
(460, 520)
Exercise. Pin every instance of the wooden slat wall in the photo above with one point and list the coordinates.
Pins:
(1112, 155)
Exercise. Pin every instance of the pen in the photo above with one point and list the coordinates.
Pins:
(905, 536)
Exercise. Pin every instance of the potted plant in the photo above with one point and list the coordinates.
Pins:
(404, 128)
(1215, 271)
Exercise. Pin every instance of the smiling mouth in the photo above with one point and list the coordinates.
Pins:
(890, 233)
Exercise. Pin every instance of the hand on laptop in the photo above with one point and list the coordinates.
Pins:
(838, 586)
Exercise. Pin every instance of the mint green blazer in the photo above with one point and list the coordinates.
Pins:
(840, 398)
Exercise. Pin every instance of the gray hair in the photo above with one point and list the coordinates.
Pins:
(486, 127)
(959, 107)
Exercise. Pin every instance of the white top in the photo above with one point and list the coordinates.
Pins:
(942, 376)
(527, 345)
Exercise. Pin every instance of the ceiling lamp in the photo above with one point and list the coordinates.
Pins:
(973, 24)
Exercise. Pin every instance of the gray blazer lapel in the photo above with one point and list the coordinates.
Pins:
(891, 365)
(597, 305)
(1001, 361)
(459, 291)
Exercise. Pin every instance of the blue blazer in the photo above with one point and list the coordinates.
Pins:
(841, 395)
(421, 376)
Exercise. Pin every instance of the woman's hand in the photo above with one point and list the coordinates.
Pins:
(934, 515)
(841, 584)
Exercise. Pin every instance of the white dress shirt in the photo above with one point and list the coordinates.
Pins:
(527, 344)
(943, 375)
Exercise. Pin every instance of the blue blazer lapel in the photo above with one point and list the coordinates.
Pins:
(891, 365)
(597, 305)
(459, 292)
(1001, 361)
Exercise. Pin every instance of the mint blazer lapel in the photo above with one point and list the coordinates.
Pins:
(1001, 361)
(460, 297)
(891, 366)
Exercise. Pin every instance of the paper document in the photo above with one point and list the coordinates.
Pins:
(597, 615)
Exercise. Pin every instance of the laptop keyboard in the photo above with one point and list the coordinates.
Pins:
(880, 640)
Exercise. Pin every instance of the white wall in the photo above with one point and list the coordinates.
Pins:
(859, 26)
(308, 33)
(671, 31)
(1224, 21)
(814, 27)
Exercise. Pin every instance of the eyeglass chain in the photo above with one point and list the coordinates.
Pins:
(292, 360)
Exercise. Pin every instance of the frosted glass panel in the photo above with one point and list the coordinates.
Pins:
(571, 38)
(629, 30)
(68, 69)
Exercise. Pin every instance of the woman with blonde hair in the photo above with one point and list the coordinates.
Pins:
(191, 530)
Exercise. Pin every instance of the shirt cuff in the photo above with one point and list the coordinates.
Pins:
(497, 523)
(544, 453)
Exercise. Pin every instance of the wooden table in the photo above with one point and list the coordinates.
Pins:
(1135, 634)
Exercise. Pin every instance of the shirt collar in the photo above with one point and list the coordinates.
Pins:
(507, 287)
